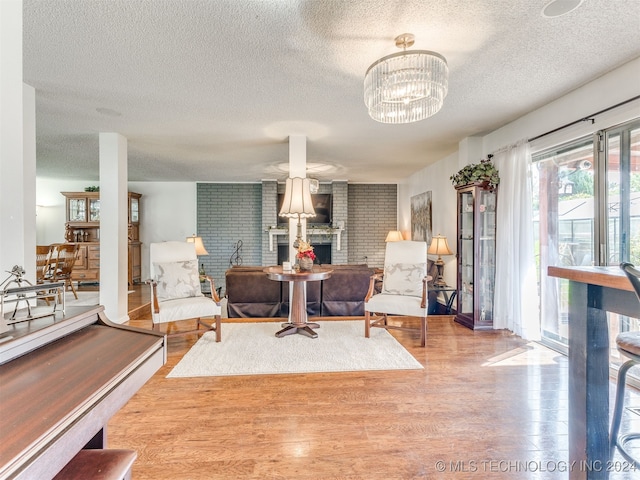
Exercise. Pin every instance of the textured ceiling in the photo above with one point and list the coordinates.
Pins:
(210, 90)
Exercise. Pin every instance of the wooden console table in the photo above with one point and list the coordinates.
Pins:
(593, 291)
(298, 319)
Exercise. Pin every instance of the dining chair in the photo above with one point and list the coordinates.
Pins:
(628, 344)
(65, 258)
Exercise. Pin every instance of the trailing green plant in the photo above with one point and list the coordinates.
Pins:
(485, 171)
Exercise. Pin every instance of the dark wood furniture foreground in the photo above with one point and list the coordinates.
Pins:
(62, 378)
(298, 319)
(593, 291)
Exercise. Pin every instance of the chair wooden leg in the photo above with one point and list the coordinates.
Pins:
(423, 331)
(218, 331)
(73, 289)
(367, 325)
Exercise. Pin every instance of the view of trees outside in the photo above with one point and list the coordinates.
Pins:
(565, 213)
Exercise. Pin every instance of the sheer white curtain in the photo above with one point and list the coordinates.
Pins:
(516, 291)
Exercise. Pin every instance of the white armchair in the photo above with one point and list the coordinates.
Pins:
(404, 288)
(175, 288)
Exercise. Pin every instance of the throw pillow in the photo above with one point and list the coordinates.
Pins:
(404, 278)
(177, 280)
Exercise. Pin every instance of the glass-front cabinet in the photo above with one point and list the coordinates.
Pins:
(83, 227)
(476, 255)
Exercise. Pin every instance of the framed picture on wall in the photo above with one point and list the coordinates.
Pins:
(421, 217)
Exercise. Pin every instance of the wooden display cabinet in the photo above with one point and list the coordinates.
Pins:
(83, 227)
(476, 255)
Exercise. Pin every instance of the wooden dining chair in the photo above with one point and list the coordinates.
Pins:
(628, 344)
(43, 253)
(61, 264)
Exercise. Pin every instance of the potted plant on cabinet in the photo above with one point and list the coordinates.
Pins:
(484, 173)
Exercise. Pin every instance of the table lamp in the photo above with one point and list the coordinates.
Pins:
(394, 236)
(200, 250)
(297, 203)
(439, 247)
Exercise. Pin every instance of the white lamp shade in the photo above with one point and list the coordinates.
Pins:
(394, 236)
(297, 199)
(439, 246)
(200, 250)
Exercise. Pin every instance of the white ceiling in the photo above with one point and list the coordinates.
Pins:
(210, 90)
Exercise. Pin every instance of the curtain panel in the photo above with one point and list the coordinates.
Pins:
(516, 292)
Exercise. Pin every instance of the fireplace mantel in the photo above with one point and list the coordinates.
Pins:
(274, 232)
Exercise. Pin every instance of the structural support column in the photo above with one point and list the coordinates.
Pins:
(16, 209)
(113, 226)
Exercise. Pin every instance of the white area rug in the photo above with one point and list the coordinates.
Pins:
(253, 349)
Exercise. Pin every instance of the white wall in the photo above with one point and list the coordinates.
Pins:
(168, 211)
(610, 89)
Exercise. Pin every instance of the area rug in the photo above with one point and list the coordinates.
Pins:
(253, 349)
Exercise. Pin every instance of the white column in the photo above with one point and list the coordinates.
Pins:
(12, 181)
(29, 180)
(113, 226)
(297, 168)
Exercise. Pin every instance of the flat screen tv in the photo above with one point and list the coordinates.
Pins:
(322, 204)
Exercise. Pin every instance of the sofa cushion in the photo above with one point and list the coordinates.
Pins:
(343, 293)
(250, 293)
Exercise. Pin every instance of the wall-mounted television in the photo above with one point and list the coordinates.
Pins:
(322, 204)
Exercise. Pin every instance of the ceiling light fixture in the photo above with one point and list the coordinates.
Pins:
(557, 8)
(406, 87)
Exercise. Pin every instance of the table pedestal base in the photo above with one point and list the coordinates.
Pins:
(301, 328)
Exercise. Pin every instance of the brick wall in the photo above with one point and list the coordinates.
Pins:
(372, 213)
(228, 213)
(231, 212)
(340, 217)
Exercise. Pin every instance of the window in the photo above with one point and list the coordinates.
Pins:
(586, 212)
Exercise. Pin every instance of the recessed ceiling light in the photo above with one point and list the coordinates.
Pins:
(557, 8)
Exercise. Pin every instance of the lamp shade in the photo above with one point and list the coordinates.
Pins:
(439, 246)
(200, 250)
(394, 236)
(297, 199)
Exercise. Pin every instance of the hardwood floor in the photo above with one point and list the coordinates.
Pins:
(487, 406)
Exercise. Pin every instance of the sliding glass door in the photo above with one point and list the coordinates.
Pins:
(621, 229)
(563, 186)
(623, 194)
(587, 212)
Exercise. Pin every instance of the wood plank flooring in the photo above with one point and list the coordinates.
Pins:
(486, 406)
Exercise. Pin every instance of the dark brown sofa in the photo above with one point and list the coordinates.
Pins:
(251, 294)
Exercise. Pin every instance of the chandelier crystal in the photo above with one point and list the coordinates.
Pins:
(406, 87)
